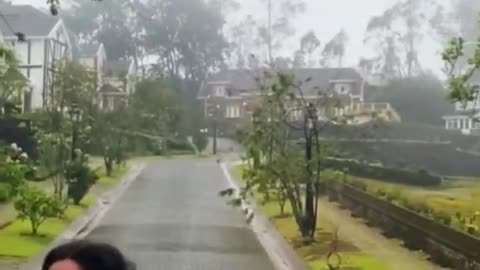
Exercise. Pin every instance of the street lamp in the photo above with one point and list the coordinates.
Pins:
(75, 117)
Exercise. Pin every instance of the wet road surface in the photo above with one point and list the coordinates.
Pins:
(171, 218)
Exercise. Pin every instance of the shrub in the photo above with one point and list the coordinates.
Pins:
(388, 174)
(13, 174)
(178, 143)
(442, 217)
(35, 205)
(80, 179)
(200, 140)
(5, 192)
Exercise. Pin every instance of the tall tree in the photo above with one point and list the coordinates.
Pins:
(190, 48)
(309, 43)
(243, 41)
(335, 49)
(278, 24)
(397, 34)
(108, 22)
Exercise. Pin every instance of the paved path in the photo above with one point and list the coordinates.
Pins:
(171, 218)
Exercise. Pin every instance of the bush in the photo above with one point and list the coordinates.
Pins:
(80, 179)
(35, 205)
(442, 217)
(179, 144)
(5, 192)
(388, 174)
(200, 140)
(13, 174)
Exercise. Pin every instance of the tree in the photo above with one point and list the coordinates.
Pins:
(277, 167)
(398, 33)
(12, 82)
(309, 44)
(278, 25)
(34, 205)
(335, 48)
(419, 99)
(243, 42)
(188, 49)
(461, 87)
(108, 22)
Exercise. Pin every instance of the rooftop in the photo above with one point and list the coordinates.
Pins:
(25, 19)
(320, 78)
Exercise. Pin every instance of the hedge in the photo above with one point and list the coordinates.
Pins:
(388, 174)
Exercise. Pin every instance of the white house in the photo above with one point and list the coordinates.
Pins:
(467, 115)
(94, 58)
(43, 41)
(119, 84)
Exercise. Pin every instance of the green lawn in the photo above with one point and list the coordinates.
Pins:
(454, 195)
(15, 240)
(315, 254)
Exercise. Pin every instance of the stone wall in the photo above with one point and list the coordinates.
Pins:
(445, 246)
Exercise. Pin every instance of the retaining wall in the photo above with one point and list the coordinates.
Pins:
(446, 246)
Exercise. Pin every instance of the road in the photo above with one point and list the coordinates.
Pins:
(172, 218)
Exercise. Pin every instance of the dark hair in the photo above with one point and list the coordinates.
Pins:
(89, 256)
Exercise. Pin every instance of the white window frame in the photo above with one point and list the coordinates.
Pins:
(219, 90)
(232, 111)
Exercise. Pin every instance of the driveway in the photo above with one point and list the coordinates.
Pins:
(172, 218)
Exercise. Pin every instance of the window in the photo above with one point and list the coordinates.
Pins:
(219, 90)
(232, 112)
(342, 88)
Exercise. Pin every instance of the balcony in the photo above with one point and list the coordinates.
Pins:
(365, 112)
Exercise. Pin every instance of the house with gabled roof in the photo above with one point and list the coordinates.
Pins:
(40, 41)
(232, 95)
(119, 84)
(115, 80)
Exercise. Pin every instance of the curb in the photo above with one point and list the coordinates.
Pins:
(81, 226)
(276, 246)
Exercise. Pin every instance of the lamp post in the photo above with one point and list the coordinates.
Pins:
(74, 116)
(213, 114)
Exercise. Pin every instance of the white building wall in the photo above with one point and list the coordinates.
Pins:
(32, 70)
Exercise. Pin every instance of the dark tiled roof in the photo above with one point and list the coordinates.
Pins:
(320, 78)
(25, 19)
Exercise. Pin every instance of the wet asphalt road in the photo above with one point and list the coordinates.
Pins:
(172, 219)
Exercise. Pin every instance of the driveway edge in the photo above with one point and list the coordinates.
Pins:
(278, 249)
(81, 226)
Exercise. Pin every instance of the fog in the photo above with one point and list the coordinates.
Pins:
(326, 18)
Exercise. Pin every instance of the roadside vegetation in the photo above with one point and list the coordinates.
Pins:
(327, 241)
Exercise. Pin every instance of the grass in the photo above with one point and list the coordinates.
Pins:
(15, 240)
(454, 195)
(315, 254)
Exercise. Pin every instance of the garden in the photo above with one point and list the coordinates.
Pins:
(327, 247)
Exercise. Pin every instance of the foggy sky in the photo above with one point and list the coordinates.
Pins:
(327, 17)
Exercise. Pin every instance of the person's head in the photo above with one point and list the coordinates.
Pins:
(84, 255)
